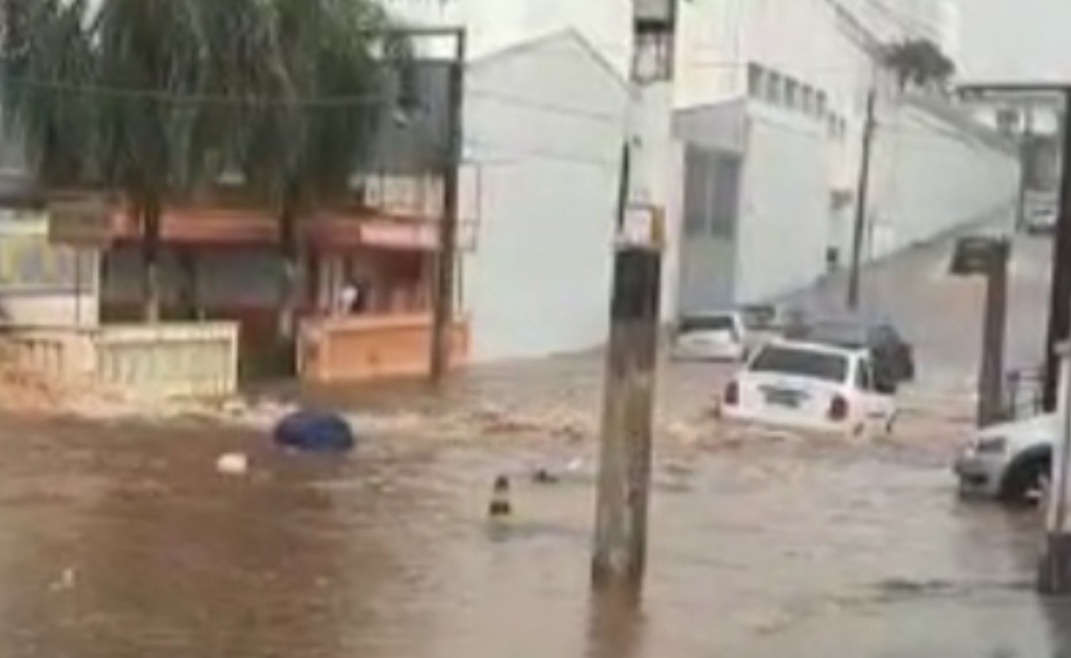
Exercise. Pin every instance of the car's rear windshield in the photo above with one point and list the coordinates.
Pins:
(708, 323)
(801, 362)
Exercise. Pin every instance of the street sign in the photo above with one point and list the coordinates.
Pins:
(645, 226)
(83, 223)
(978, 254)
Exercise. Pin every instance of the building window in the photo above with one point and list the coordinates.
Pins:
(792, 94)
(774, 92)
(755, 80)
(808, 99)
(822, 103)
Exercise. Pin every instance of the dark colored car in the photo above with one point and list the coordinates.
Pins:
(893, 356)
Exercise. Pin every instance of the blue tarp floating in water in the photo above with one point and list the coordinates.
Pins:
(314, 431)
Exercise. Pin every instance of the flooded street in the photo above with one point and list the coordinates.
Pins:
(119, 541)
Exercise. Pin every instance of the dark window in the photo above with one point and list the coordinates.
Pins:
(774, 92)
(792, 94)
(725, 197)
(808, 100)
(755, 79)
(821, 103)
(863, 379)
(801, 362)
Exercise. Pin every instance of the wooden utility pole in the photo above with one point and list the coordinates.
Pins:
(446, 262)
(1060, 295)
(620, 548)
(862, 194)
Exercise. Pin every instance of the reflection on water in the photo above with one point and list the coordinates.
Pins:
(126, 542)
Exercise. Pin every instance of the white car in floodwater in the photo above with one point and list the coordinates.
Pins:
(809, 386)
(1010, 462)
(711, 337)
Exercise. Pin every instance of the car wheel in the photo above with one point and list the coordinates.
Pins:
(1027, 481)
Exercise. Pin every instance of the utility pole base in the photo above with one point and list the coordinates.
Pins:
(627, 423)
(1054, 573)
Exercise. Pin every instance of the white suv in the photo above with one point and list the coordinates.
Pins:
(1011, 461)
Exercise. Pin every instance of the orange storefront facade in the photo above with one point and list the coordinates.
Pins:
(219, 263)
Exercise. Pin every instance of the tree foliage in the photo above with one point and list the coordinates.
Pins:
(919, 62)
(153, 98)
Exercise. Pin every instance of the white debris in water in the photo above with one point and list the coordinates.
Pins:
(66, 580)
(233, 463)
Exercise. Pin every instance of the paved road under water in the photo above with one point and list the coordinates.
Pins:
(116, 542)
(123, 541)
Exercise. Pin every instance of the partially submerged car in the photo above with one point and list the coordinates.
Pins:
(719, 336)
(1011, 462)
(811, 386)
(893, 356)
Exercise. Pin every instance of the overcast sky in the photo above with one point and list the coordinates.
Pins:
(1015, 40)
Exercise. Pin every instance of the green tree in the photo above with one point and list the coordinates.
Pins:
(919, 62)
(301, 156)
(153, 98)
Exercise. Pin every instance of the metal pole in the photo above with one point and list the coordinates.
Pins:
(1060, 296)
(443, 299)
(862, 190)
(1024, 167)
(991, 377)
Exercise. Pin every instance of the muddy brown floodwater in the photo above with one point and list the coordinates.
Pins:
(123, 541)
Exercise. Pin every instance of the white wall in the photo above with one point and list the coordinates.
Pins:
(931, 176)
(785, 206)
(494, 25)
(538, 282)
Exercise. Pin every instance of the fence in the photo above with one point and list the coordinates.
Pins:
(1023, 393)
(163, 360)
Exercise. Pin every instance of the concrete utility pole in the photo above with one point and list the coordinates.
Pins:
(988, 257)
(991, 375)
(1054, 573)
(620, 543)
(1060, 296)
(862, 199)
(446, 262)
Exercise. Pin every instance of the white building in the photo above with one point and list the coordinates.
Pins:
(771, 101)
(545, 122)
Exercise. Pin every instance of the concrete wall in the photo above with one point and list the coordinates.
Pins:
(931, 176)
(784, 206)
(496, 25)
(539, 280)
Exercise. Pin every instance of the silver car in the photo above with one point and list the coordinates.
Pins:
(1010, 462)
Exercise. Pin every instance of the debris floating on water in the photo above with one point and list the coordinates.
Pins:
(233, 463)
(313, 431)
(500, 503)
